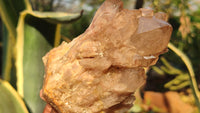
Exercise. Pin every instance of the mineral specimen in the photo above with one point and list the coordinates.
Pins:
(100, 70)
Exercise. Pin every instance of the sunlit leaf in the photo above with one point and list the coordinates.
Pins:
(10, 11)
(10, 100)
(57, 17)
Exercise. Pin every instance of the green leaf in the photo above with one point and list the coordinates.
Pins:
(35, 47)
(10, 11)
(35, 37)
(8, 66)
(10, 100)
(57, 17)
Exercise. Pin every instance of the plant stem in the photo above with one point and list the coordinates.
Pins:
(188, 64)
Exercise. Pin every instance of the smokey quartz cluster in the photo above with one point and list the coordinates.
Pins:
(100, 70)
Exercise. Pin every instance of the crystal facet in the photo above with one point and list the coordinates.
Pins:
(100, 70)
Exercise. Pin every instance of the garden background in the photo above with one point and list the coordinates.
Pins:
(29, 29)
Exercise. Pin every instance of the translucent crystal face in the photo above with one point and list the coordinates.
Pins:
(103, 67)
(153, 33)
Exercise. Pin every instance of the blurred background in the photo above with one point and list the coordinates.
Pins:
(171, 86)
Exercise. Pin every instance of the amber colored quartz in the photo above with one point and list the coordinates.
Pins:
(100, 70)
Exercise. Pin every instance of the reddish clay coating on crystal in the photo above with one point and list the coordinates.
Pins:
(102, 68)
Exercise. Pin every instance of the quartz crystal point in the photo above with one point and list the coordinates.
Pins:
(100, 70)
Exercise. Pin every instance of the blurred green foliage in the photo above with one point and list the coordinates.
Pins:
(27, 36)
(184, 16)
(181, 78)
